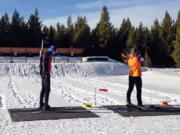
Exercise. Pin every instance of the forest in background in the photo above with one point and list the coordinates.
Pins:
(159, 44)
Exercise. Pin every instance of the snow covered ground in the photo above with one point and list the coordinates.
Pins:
(72, 84)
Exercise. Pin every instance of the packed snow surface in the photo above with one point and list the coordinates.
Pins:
(72, 84)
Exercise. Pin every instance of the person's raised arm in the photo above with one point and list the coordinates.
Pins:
(124, 58)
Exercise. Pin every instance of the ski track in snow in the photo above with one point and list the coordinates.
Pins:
(76, 95)
(26, 100)
(121, 89)
(118, 91)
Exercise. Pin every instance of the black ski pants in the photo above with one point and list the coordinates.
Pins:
(138, 82)
(44, 95)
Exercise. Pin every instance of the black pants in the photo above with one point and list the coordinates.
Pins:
(44, 95)
(138, 82)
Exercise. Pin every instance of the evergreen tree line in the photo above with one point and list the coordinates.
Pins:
(160, 44)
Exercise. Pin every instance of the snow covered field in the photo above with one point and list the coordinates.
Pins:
(72, 84)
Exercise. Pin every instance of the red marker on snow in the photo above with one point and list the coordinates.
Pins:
(103, 89)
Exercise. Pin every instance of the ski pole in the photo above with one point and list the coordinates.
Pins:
(95, 96)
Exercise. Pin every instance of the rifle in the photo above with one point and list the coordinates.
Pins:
(42, 47)
(41, 56)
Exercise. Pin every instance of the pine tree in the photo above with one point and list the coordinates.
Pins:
(70, 32)
(123, 33)
(176, 53)
(175, 26)
(167, 33)
(131, 40)
(140, 39)
(104, 28)
(176, 23)
(24, 34)
(82, 33)
(60, 35)
(178, 18)
(51, 36)
(45, 31)
(4, 30)
(34, 29)
(70, 26)
(93, 49)
(157, 51)
(16, 27)
(113, 49)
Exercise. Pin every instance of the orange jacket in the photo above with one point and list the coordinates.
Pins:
(134, 66)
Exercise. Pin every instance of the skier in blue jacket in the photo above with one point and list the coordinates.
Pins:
(45, 69)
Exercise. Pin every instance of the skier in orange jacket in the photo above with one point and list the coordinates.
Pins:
(134, 63)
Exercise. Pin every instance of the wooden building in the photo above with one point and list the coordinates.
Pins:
(15, 51)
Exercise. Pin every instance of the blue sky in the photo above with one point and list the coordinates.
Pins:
(53, 11)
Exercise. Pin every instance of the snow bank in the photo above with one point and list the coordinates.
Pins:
(66, 69)
(166, 71)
